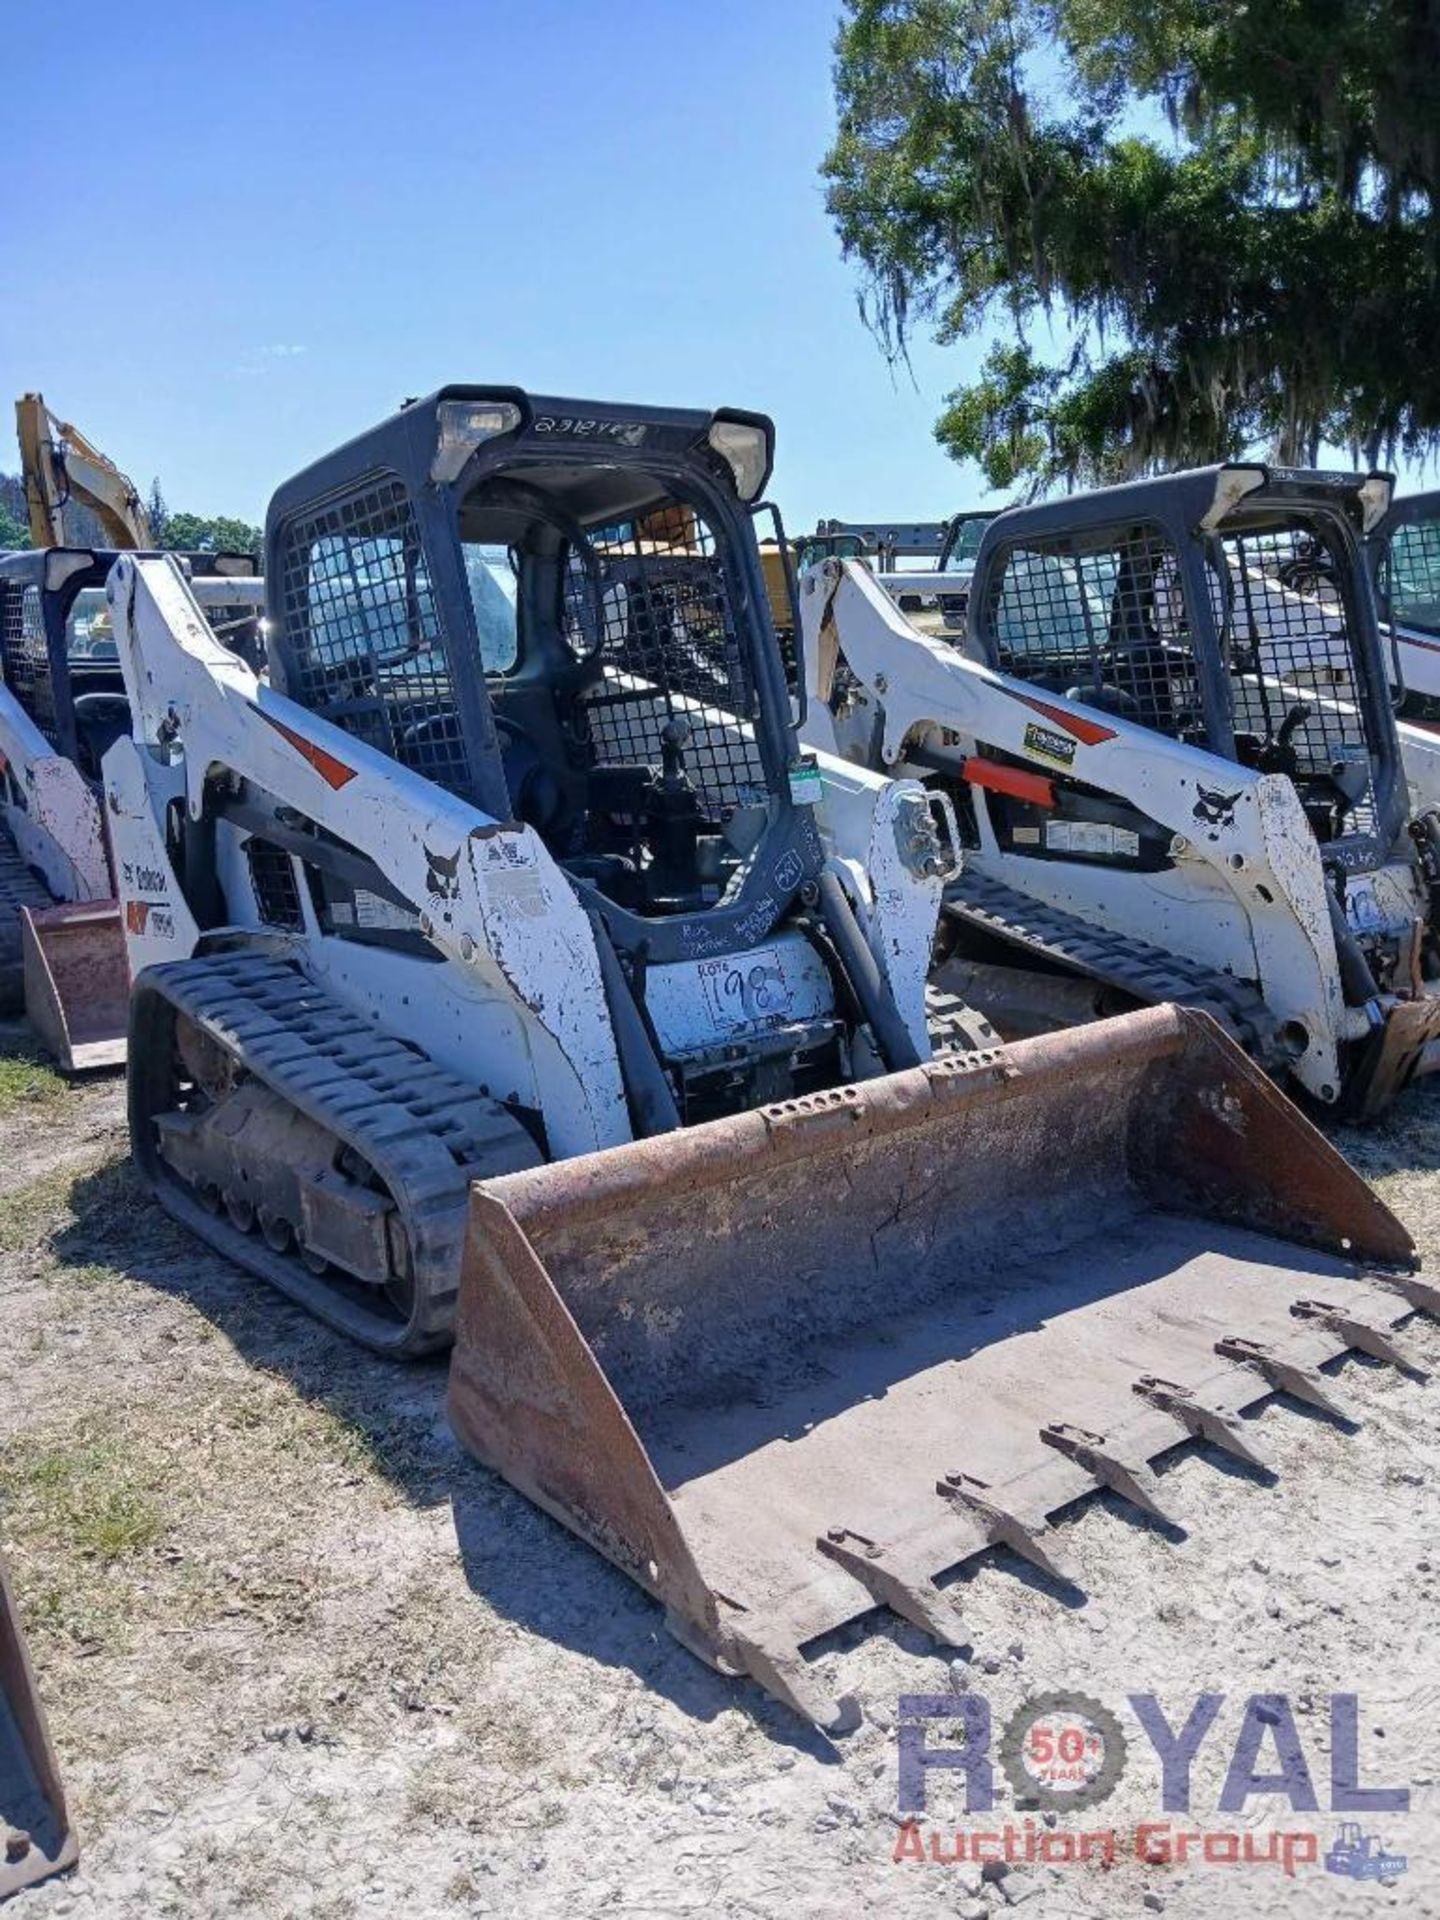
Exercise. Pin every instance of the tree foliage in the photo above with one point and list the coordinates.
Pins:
(14, 518)
(198, 532)
(1222, 219)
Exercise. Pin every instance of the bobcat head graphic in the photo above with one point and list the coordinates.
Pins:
(1215, 810)
(442, 874)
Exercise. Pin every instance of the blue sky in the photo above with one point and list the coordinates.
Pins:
(237, 235)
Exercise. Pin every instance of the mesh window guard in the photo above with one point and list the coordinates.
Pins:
(24, 658)
(655, 611)
(1412, 575)
(1294, 678)
(361, 635)
(1106, 626)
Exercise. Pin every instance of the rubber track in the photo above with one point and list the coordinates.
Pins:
(425, 1131)
(1151, 974)
(957, 1027)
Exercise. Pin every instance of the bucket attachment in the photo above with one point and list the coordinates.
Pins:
(36, 1838)
(77, 982)
(794, 1365)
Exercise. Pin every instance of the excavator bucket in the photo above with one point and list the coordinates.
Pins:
(35, 1830)
(77, 982)
(791, 1366)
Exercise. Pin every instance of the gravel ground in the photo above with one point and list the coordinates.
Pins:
(302, 1657)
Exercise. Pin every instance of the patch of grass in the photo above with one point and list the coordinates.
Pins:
(28, 1081)
(30, 1213)
(89, 1489)
(104, 1193)
(84, 1279)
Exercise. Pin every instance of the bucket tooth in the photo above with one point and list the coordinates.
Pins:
(1285, 1376)
(1005, 1529)
(1379, 1342)
(782, 1670)
(1422, 1295)
(917, 1600)
(1091, 1451)
(1223, 1430)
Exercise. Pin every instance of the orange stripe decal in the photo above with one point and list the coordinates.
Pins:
(1089, 732)
(1020, 785)
(333, 772)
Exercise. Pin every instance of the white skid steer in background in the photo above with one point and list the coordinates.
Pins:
(1167, 727)
(62, 703)
(507, 950)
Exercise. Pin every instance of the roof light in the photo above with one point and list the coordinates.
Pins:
(63, 563)
(1232, 483)
(745, 450)
(465, 425)
(1375, 497)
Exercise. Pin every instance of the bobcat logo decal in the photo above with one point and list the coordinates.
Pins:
(1215, 811)
(442, 875)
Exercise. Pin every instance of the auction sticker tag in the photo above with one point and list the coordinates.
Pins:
(1057, 748)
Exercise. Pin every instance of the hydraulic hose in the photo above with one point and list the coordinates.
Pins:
(652, 1104)
(872, 990)
(1356, 980)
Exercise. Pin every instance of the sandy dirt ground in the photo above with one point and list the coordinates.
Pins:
(302, 1657)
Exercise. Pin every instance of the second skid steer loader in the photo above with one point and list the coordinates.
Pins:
(1167, 724)
(62, 702)
(507, 943)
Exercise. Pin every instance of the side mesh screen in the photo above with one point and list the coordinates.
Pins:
(361, 638)
(272, 874)
(1106, 625)
(1294, 676)
(24, 658)
(1412, 575)
(654, 609)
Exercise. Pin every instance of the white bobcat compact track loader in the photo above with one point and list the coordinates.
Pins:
(506, 952)
(1166, 723)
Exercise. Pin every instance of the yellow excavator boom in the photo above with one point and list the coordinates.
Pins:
(60, 469)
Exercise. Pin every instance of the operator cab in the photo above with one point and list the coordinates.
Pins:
(571, 629)
(1225, 608)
